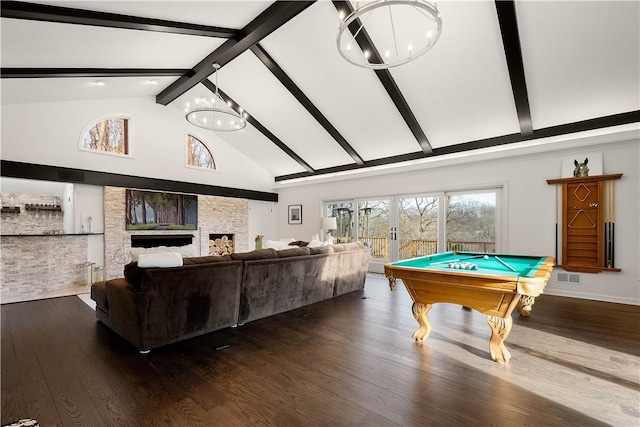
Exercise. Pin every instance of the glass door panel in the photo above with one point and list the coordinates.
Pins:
(417, 226)
(471, 222)
(374, 228)
(343, 212)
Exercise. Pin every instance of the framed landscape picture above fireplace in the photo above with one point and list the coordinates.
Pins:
(151, 210)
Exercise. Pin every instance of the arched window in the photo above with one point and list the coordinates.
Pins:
(110, 135)
(198, 155)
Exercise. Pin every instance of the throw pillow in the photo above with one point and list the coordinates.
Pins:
(160, 260)
(275, 244)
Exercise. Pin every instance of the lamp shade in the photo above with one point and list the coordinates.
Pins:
(328, 223)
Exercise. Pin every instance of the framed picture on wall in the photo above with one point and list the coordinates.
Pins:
(295, 214)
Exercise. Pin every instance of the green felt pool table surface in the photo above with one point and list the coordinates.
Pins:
(524, 266)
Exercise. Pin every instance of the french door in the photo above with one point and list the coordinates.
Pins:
(409, 226)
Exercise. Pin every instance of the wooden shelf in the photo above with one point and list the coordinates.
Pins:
(584, 269)
(11, 210)
(38, 207)
(585, 178)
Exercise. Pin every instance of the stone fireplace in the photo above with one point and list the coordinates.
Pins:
(215, 213)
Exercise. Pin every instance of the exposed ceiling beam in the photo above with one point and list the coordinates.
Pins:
(511, 42)
(22, 170)
(581, 126)
(35, 73)
(67, 15)
(365, 42)
(286, 81)
(255, 123)
(272, 18)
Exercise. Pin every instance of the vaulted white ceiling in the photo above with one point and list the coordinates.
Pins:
(571, 66)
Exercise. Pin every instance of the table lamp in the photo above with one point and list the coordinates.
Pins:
(328, 223)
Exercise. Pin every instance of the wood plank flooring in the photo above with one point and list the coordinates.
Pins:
(349, 361)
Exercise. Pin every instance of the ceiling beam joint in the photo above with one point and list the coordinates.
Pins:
(272, 18)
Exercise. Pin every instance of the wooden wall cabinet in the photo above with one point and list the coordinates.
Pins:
(587, 223)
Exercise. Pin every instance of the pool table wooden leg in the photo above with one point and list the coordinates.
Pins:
(392, 283)
(500, 328)
(420, 311)
(524, 305)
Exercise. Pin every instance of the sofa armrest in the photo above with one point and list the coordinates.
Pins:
(127, 311)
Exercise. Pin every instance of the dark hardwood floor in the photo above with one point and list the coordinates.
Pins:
(347, 361)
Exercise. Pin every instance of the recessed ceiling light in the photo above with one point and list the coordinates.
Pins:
(152, 81)
(100, 82)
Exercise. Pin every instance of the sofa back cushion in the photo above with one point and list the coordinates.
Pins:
(254, 255)
(286, 253)
(321, 250)
(353, 246)
(134, 274)
(205, 259)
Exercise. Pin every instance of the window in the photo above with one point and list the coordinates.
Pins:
(343, 211)
(198, 155)
(110, 135)
(471, 221)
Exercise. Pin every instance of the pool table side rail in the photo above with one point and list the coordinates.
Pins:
(486, 295)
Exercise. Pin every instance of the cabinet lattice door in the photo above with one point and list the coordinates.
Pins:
(588, 219)
(582, 224)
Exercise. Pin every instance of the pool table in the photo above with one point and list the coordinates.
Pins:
(500, 283)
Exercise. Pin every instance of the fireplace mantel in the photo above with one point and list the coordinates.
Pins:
(154, 240)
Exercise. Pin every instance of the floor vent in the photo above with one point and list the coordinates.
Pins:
(569, 278)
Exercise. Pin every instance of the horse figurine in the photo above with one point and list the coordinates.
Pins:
(581, 168)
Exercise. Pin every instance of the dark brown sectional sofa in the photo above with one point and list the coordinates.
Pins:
(152, 307)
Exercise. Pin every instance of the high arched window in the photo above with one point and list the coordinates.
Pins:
(109, 135)
(198, 155)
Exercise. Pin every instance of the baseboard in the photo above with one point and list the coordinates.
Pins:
(594, 297)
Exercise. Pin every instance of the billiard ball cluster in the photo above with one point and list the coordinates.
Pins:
(463, 266)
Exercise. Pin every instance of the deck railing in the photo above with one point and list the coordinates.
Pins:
(416, 248)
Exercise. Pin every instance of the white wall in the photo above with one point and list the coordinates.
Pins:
(158, 136)
(530, 205)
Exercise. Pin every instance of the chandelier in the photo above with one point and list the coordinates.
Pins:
(402, 30)
(214, 113)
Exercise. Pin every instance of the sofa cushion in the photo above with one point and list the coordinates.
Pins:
(321, 250)
(205, 259)
(286, 253)
(344, 247)
(253, 255)
(160, 260)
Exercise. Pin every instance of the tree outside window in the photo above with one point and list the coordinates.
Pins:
(198, 155)
(109, 135)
